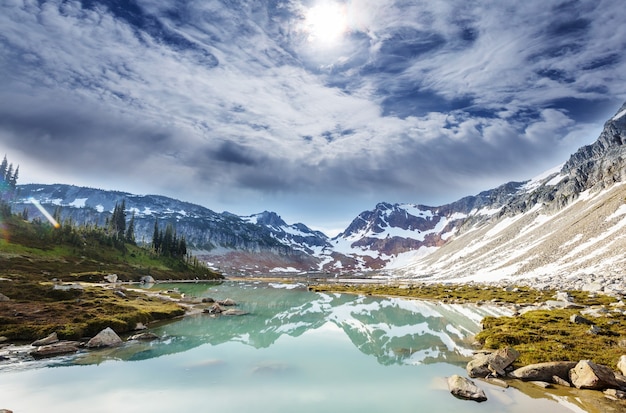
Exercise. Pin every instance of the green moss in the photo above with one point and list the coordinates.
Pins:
(542, 336)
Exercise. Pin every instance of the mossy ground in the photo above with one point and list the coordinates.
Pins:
(539, 335)
(36, 310)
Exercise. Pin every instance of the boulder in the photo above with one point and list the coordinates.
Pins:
(56, 349)
(105, 338)
(144, 337)
(4, 297)
(544, 371)
(147, 279)
(112, 278)
(492, 364)
(140, 326)
(589, 375)
(227, 302)
(51, 339)
(232, 311)
(208, 300)
(578, 319)
(621, 364)
(214, 309)
(464, 388)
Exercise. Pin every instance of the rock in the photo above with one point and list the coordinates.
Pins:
(561, 382)
(140, 326)
(119, 293)
(50, 339)
(4, 297)
(214, 309)
(465, 389)
(593, 287)
(112, 278)
(56, 349)
(3, 339)
(147, 279)
(615, 394)
(232, 311)
(105, 338)
(588, 375)
(208, 300)
(6, 411)
(495, 382)
(621, 364)
(542, 384)
(144, 337)
(595, 312)
(563, 296)
(496, 362)
(544, 371)
(578, 319)
(561, 304)
(227, 302)
(595, 330)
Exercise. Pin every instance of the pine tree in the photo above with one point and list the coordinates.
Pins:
(12, 180)
(156, 237)
(3, 169)
(130, 230)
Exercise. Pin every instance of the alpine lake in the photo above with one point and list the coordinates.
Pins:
(295, 351)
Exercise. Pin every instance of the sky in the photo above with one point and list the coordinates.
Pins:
(316, 110)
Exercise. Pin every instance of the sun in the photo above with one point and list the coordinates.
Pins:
(326, 22)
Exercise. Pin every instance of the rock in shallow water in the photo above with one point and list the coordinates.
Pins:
(465, 389)
(105, 338)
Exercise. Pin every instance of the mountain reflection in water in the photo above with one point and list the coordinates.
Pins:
(295, 350)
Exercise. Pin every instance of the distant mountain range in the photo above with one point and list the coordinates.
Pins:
(568, 221)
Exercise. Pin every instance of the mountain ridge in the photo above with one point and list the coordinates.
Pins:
(391, 237)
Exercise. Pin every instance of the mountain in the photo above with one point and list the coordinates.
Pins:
(217, 237)
(568, 221)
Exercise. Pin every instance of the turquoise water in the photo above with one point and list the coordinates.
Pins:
(295, 351)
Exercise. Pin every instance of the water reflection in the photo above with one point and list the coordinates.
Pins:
(394, 331)
(295, 350)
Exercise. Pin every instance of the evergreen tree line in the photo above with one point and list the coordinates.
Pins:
(167, 243)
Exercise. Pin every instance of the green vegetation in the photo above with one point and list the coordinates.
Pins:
(462, 293)
(542, 336)
(539, 335)
(38, 257)
(36, 310)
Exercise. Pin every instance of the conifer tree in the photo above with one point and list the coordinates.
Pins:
(156, 236)
(3, 168)
(130, 231)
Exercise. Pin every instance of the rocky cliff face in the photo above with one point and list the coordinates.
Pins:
(570, 223)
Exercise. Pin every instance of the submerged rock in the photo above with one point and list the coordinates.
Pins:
(464, 388)
(105, 338)
(144, 337)
(227, 302)
(56, 349)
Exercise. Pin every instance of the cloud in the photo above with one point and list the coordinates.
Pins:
(419, 102)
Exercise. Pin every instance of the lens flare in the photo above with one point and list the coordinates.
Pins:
(45, 213)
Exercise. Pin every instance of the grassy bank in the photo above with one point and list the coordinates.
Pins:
(36, 257)
(539, 335)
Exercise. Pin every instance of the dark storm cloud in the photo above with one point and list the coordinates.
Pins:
(416, 102)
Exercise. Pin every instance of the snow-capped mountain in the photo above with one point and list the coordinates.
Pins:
(570, 219)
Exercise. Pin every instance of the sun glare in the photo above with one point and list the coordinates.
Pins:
(326, 22)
